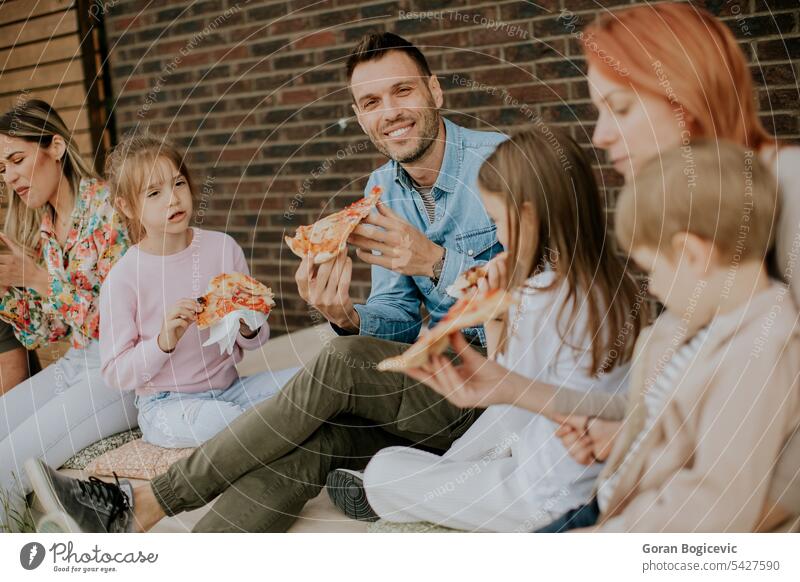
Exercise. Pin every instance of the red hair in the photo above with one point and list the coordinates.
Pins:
(686, 55)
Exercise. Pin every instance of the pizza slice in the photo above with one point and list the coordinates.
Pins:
(327, 237)
(232, 291)
(467, 282)
(468, 311)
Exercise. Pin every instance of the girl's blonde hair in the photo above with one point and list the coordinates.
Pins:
(37, 122)
(570, 234)
(129, 168)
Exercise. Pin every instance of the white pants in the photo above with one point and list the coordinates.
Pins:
(508, 473)
(56, 413)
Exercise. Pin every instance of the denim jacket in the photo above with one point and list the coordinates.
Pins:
(461, 225)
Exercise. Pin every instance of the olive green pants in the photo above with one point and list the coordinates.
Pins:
(335, 413)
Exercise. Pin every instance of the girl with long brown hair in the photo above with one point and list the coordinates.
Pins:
(574, 327)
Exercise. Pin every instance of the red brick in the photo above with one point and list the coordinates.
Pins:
(315, 40)
(136, 84)
(298, 96)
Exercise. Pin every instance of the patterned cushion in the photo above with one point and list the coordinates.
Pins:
(83, 457)
(384, 526)
(137, 460)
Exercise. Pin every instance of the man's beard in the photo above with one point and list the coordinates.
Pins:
(428, 126)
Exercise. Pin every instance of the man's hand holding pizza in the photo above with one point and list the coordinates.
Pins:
(326, 288)
(403, 248)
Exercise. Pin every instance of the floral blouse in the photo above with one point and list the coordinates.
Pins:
(95, 241)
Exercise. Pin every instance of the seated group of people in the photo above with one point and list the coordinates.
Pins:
(575, 409)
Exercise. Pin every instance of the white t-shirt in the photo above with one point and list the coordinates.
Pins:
(542, 346)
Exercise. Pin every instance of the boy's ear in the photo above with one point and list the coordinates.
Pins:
(698, 253)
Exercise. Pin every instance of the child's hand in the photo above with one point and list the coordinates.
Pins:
(496, 274)
(603, 434)
(588, 439)
(574, 435)
(475, 382)
(176, 320)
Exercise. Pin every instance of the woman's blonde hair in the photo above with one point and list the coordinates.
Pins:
(129, 168)
(569, 233)
(37, 122)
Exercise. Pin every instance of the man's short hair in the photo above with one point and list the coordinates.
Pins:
(376, 45)
(715, 190)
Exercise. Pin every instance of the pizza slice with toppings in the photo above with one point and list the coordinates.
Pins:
(467, 282)
(327, 237)
(476, 309)
(230, 292)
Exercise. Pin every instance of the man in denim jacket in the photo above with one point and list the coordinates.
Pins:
(339, 411)
(431, 226)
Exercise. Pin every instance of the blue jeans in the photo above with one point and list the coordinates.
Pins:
(178, 420)
(583, 516)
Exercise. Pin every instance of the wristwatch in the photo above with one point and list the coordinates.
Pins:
(438, 266)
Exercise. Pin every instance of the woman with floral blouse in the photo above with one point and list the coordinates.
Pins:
(61, 238)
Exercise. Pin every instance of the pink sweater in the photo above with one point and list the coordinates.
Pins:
(133, 300)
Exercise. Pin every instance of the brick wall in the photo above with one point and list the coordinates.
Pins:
(256, 91)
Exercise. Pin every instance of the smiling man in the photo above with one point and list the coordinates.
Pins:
(339, 411)
(431, 225)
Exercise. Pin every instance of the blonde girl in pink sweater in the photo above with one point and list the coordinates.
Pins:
(185, 392)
